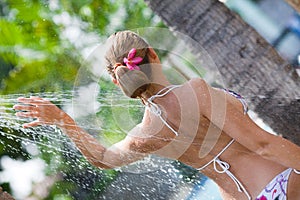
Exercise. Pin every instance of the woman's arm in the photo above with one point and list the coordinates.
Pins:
(45, 112)
(223, 112)
(119, 154)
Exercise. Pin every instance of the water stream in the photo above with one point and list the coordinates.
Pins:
(162, 178)
(107, 116)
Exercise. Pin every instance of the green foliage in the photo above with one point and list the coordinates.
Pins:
(30, 42)
(60, 191)
(38, 54)
(41, 50)
(135, 11)
(34, 47)
(119, 120)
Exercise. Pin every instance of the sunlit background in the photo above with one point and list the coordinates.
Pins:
(43, 46)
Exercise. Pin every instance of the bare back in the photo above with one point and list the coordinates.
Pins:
(199, 141)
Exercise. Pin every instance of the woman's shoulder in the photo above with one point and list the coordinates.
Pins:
(199, 85)
(197, 82)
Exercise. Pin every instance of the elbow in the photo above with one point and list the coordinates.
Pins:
(99, 164)
(104, 167)
(264, 150)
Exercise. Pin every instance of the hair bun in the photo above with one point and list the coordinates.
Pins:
(132, 82)
(135, 74)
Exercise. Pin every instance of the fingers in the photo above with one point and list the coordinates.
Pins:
(23, 107)
(36, 98)
(33, 100)
(35, 107)
(27, 114)
(32, 124)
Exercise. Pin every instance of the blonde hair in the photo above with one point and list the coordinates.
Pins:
(132, 82)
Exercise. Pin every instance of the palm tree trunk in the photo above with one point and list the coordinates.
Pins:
(247, 62)
(295, 4)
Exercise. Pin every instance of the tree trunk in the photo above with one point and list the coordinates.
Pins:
(295, 4)
(247, 63)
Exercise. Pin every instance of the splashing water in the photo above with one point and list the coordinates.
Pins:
(151, 178)
(53, 146)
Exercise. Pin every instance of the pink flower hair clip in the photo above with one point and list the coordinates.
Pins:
(131, 61)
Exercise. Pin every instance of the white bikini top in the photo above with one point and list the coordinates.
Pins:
(155, 109)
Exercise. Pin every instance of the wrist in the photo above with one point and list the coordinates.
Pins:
(66, 122)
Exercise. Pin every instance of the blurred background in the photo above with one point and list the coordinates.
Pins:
(43, 47)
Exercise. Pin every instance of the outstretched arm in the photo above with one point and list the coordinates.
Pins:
(117, 155)
(47, 113)
(223, 111)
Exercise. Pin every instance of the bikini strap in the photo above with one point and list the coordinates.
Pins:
(296, 171)
(239, 97)
(217, 156)
(156, 110)
(225, 169)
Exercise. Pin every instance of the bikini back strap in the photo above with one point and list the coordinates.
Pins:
(225, 169)
(217, 156)
(156, 110)
(296, 171)
(240, 98)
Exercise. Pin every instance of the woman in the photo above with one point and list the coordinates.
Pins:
(203, 127)
(5, 196)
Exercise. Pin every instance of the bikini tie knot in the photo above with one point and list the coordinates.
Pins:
(224, 165)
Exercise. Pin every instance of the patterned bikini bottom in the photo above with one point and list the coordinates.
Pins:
(276, 189)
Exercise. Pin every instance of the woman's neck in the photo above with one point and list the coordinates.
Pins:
(152, 90)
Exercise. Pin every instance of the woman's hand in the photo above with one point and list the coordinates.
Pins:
(45, 112)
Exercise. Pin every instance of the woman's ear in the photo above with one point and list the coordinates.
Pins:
(152, 55)
(115, 81)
